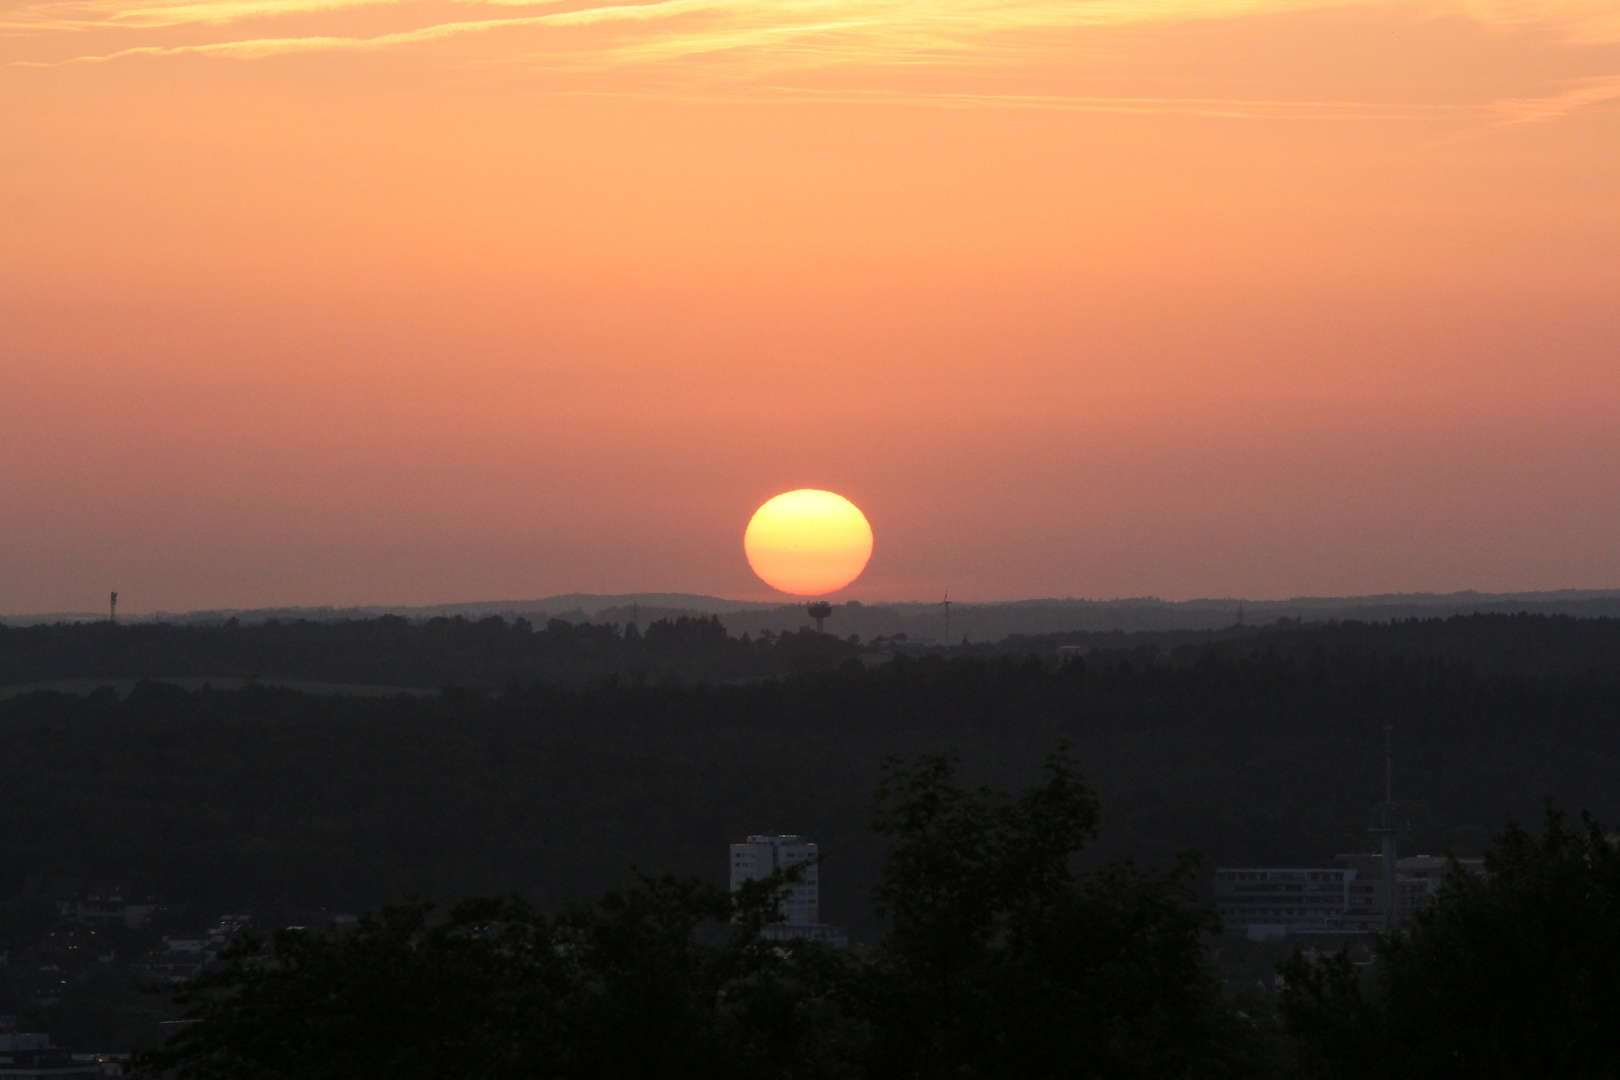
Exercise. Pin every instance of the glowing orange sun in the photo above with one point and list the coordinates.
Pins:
(808, 542)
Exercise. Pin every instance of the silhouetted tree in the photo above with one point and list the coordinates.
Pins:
(622, 989)
(1510, 974)
(1000, 960)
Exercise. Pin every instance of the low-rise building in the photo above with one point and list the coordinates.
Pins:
(27, 1055)
(183, 957)
(1277, 901)
(1417, 879)
(1345, 898)
(96, 901)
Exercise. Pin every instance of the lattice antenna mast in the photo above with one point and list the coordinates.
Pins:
(947, 603)
(113, 608)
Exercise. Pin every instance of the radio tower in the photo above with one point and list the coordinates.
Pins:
(114, 607)
(1386, 823)
(947, 603)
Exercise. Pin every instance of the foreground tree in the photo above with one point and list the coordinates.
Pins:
(1001, 960)
(1513, 973)
(624, 988)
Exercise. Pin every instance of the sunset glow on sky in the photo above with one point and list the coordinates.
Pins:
(368, 302)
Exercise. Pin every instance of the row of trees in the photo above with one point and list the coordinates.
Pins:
(492, 653)
(999, 959)
(393, 651)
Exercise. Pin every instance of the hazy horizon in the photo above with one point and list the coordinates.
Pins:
(659, 605)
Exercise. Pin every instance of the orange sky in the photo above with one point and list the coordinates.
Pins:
(330, 301)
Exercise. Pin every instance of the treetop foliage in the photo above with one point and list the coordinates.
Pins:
(1513, 973)
(1041, 972)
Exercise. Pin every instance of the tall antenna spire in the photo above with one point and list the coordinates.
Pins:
(947, 618)
(1386, 823)
(1389, 765)
(113, 608)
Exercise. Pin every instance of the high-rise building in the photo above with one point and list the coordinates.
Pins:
(760, 857)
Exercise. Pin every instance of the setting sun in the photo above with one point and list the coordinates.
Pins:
(808, 542)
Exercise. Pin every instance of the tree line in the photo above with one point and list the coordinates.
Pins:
(493, 653)
(391, 651)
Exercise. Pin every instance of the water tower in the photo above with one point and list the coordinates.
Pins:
(818, 611)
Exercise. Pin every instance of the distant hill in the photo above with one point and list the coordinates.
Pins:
(925, 621)
(573, 607)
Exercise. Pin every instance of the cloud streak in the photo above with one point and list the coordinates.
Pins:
(770, 35)
(1533, 110)
(1233, 108)
(1584, 19)
(259, 48)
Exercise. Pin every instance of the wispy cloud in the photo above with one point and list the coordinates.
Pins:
(1531, 110)
(967, 16)
(778, 33)
(258, 48)
(1586, 21)
(226, 11)
(1236, 108)
(56, 15)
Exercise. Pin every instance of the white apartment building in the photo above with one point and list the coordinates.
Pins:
(762, 856)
